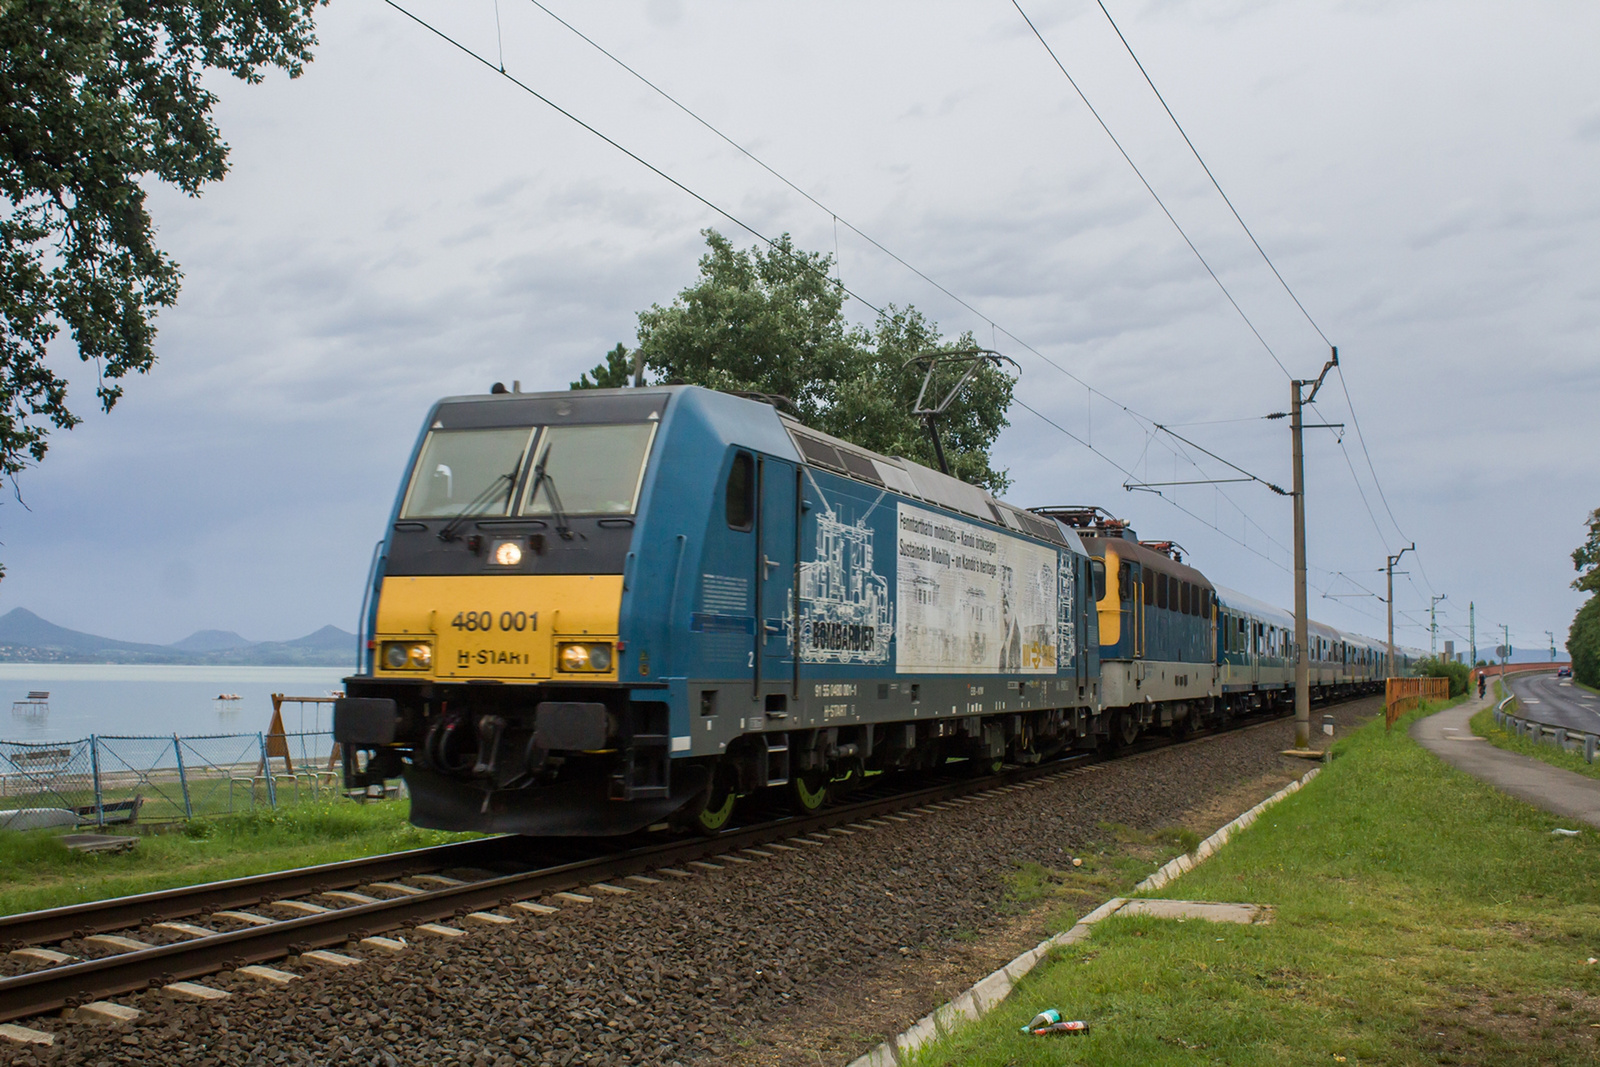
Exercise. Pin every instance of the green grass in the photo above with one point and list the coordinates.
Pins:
(1484, 726)
(1421, 917)
(38, 871)
(1119, 859)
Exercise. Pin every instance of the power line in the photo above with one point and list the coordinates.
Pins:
(1151, 189)
(774, 245)
(1217, 185)
(837, 218)
(1132, 413)
(1051, 422)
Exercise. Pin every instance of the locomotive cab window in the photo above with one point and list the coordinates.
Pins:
(1161, 590)
(741, 492)
(1125, 582)
(466, 472)
(1097, 571)
(589, 470)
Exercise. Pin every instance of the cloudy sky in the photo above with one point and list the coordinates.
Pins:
(402, 223)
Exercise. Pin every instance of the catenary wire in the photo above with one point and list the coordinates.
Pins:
(1138, 416)
(1151, 189)
(620, 148)
(1132, 413)
(1217, 185)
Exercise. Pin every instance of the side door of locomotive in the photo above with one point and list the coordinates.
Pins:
(777, 575)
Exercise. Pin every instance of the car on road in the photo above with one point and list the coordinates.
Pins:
(1563, 672)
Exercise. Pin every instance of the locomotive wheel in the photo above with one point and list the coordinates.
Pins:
(808, 791)
(721, 798)
(1125, 730)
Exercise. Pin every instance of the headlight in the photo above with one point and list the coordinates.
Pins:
(590, 657)
(507, 553)
(407, 655)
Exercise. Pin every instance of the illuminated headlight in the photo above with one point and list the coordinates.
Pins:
(407, 655)
(594, 658)
(506, 553)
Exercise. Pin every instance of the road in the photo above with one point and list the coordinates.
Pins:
(1556, 701)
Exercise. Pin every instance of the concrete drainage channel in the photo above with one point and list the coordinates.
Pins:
(987, 994)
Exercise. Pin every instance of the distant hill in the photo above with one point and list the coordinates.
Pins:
(210, 641)
(27, 638)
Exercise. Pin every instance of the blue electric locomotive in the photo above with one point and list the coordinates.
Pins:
(597, 611)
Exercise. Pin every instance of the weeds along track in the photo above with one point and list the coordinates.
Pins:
(67, 957)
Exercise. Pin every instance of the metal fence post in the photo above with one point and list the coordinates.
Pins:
(266, 769)
(183, 779)
(94, 765)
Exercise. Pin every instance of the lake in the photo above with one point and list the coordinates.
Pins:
(152, 699)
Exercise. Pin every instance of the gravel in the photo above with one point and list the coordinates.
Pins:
(828, 946)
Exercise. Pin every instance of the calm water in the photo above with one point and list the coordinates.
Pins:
(159, 700)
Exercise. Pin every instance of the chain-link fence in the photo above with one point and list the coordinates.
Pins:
(105, 779)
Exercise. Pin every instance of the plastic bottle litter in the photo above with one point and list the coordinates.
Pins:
(1044, 1018)
(1065, 1026)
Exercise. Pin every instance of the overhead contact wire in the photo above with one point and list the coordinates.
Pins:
(1151, 189)
(1217, 185)
(619, 147)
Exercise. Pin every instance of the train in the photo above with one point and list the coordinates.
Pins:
(597, 612)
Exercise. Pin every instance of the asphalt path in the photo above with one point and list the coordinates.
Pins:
(1556, 701)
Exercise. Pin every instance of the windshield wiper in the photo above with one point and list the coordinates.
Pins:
(448, 531)
(542, 478)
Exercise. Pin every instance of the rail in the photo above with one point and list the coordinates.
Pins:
(547, 867)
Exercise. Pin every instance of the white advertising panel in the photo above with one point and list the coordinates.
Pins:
(972, 599)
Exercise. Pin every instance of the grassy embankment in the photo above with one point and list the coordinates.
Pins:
(1421, 917)
(1484, 726)
(37, 871)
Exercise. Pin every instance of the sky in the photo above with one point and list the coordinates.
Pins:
(403, 223)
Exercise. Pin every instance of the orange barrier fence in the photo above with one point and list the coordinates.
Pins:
(1402, 694)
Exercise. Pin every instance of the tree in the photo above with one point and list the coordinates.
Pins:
(771, 320)
(614, 373)
(1583, 643)
(1586, 557)
(96, 97)
(1583, 639)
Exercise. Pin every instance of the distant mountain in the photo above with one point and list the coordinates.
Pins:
(210, 641)
(26, 638)
(19, 626)
(329, 637)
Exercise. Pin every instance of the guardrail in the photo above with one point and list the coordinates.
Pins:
(1563, 737)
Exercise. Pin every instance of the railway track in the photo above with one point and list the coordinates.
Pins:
(361, 900)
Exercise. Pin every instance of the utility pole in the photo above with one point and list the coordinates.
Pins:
(1505, 649)
(1302, 665)
(1472, 629)
(1433, 625)
(1552, 638)
(1392, 561)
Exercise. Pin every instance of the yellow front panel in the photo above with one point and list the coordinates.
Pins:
(499, 625)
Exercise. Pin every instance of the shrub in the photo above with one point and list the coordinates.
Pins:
(1458, 673)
